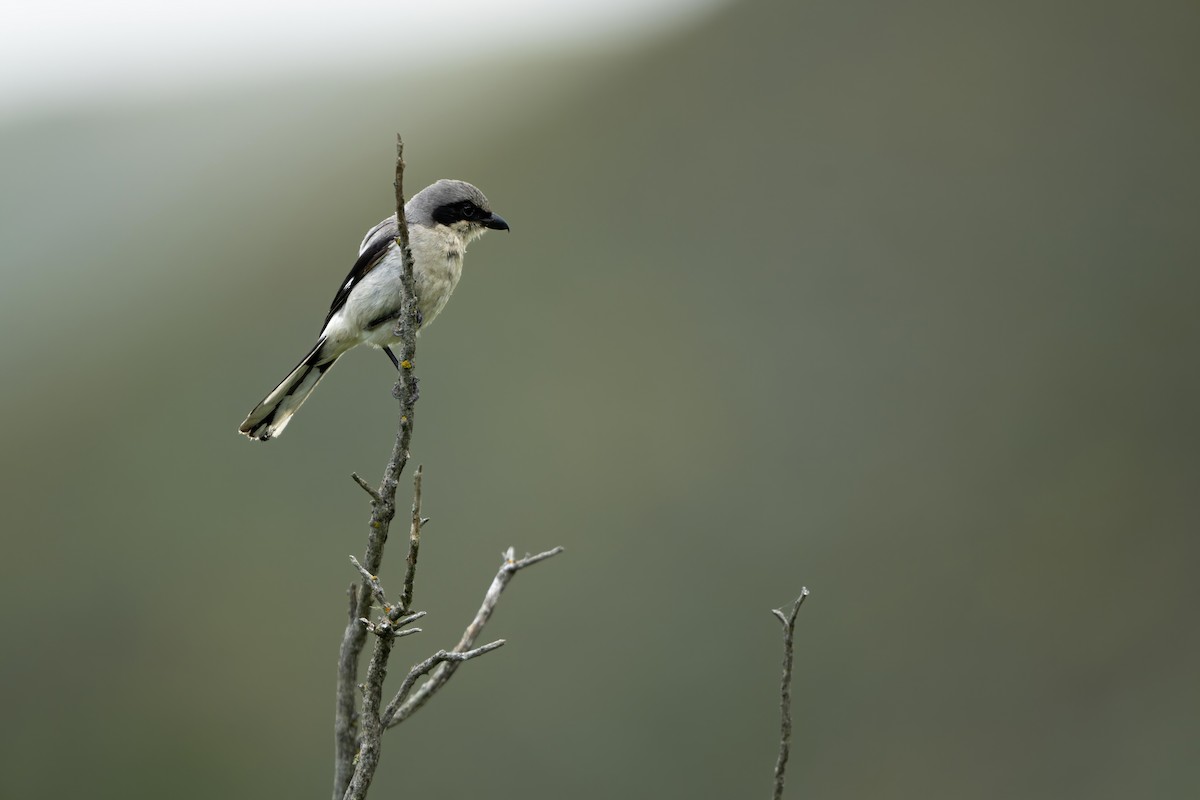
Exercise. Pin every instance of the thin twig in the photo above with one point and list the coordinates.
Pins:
(401, 708)
(385, 628)
(366, 487)
(383, 510)
(373, 581)
(414, 542)
(788, 621)
(395, 614)
(441, 656)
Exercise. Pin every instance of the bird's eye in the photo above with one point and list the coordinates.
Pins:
(469, 211)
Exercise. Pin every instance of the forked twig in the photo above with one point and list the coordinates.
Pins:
(788, 621)
(404, 705)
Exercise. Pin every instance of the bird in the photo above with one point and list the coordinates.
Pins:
(443, 219)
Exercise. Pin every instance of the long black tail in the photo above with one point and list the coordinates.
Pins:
(271, 416)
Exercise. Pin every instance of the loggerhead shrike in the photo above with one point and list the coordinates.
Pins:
(442, 220)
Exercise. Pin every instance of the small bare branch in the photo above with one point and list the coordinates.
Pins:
(528, 560)
(398, 185)
(372, 581)
(414, 543)
(418, 670)
(443, 671)
(366, 487)
(788, 621)
(394, 614)
(407, 619)
(385, 628)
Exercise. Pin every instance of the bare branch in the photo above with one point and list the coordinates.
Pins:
(386, 628)
(397, 712)
(788, 621)
(398, 185)
(366, 487)
(373, 582)
(383, 510)
(357, 736)
(371, 730)
(414, 542)
(405, 620)
(394, 616)
(441, 656)
(527, 561)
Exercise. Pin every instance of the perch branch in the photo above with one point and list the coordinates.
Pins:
(358, 736)
(383, 510)
(788, 621)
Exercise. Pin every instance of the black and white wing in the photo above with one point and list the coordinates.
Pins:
(370, 253)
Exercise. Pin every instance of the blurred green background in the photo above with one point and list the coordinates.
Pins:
(897, 301)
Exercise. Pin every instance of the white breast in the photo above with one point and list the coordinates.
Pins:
(437, 267)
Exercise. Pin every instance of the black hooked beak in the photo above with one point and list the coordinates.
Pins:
(495, 222)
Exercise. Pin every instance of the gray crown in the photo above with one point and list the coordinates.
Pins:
(419, 210)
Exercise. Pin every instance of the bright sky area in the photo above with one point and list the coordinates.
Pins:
(53, 55)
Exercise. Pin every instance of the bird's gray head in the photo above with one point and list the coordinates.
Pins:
(455, 204)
